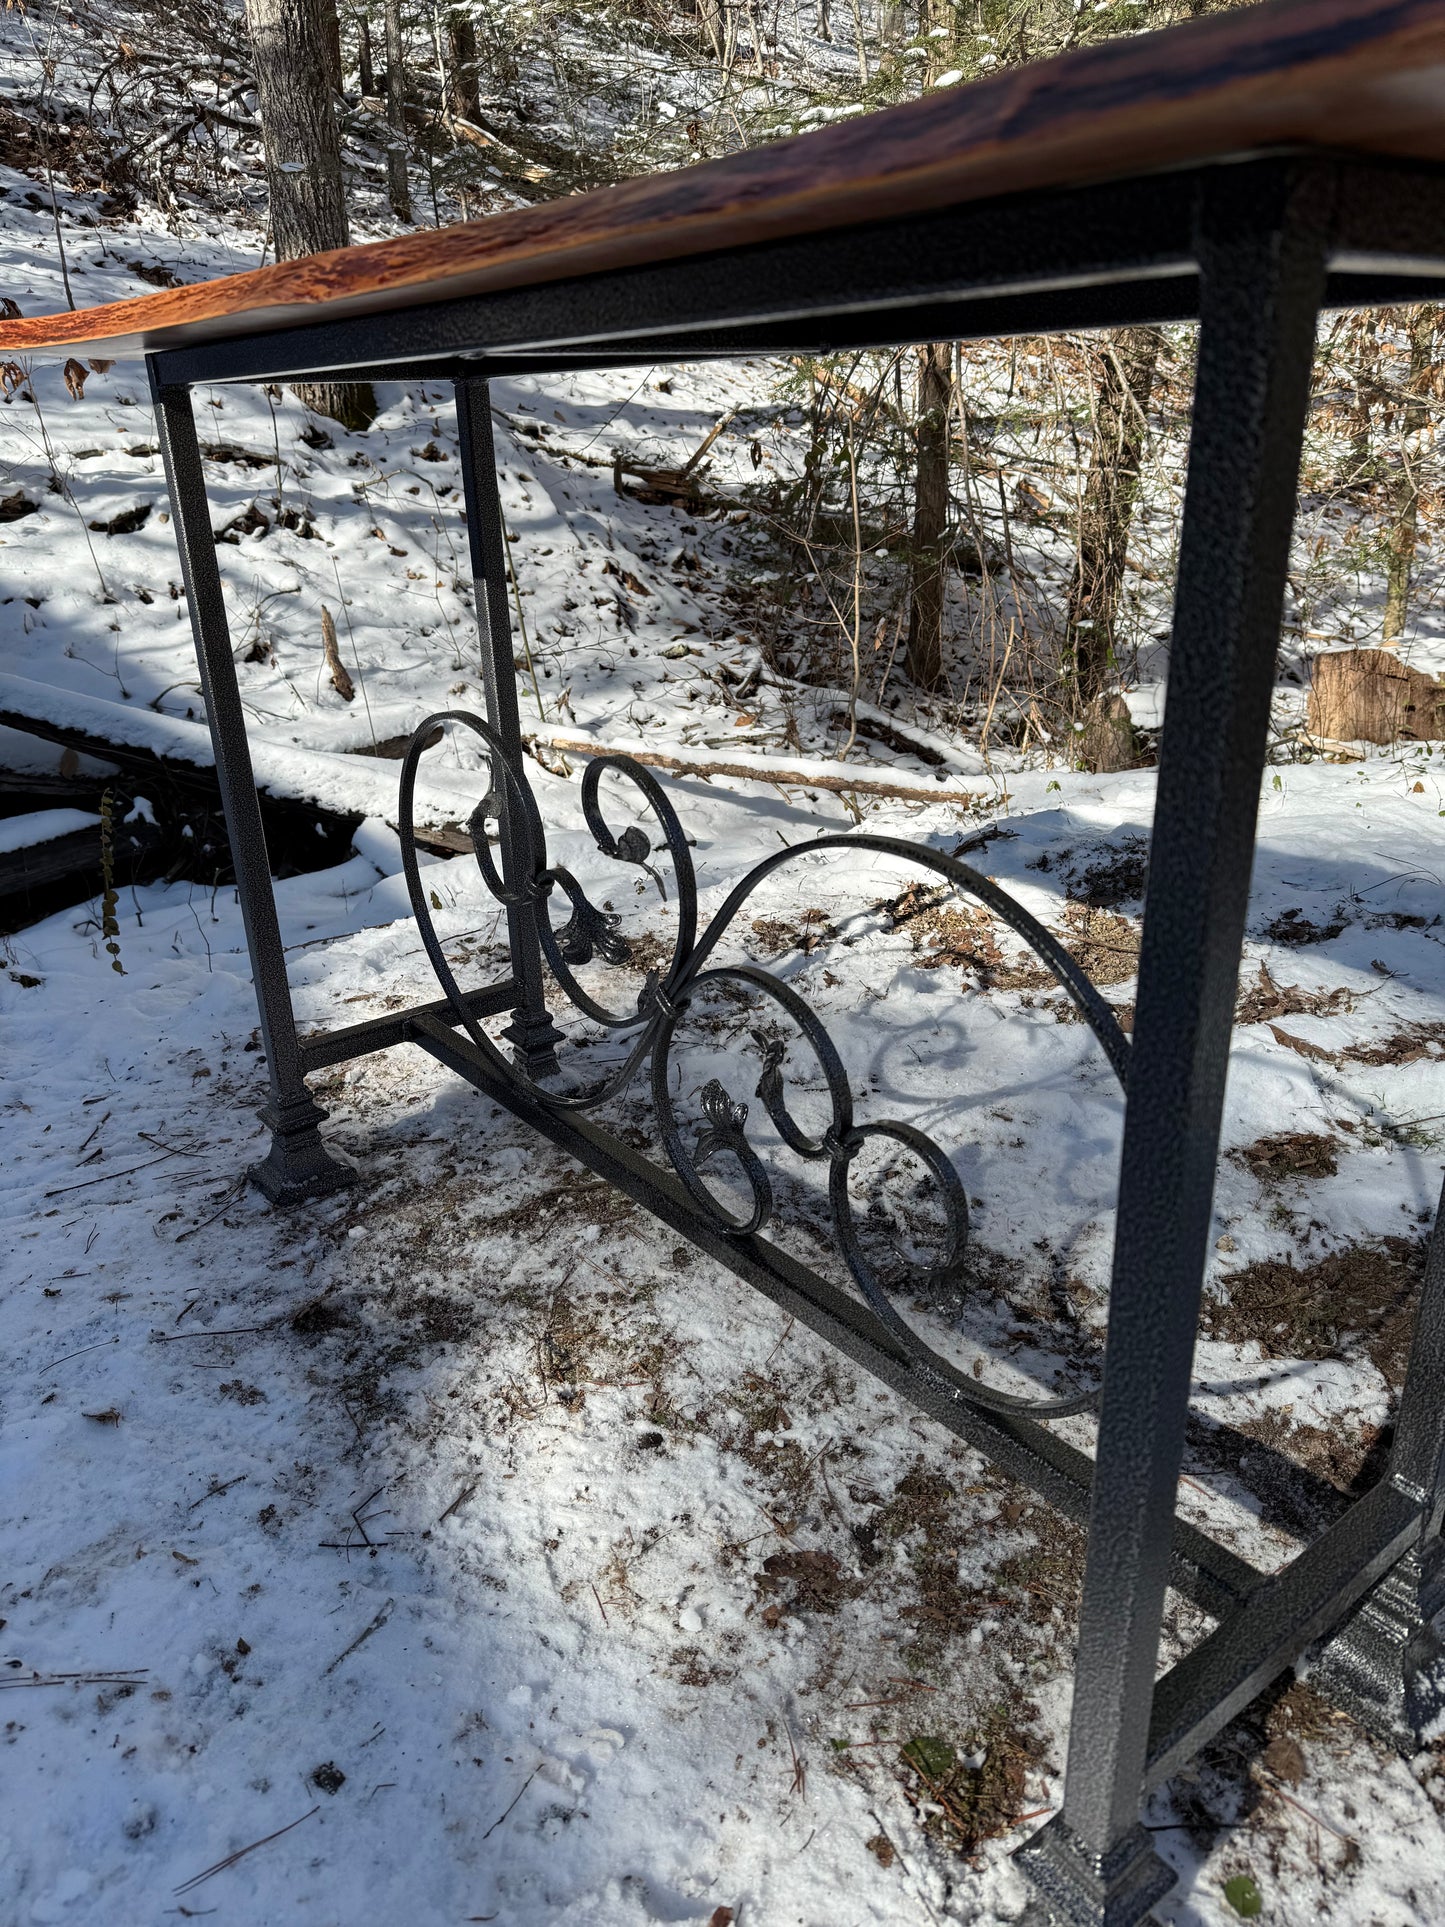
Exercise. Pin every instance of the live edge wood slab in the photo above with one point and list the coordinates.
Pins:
(1366, 76)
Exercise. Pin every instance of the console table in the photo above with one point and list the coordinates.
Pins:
(1249, 171)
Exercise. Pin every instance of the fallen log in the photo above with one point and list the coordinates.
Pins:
(46, 846)
(767, 770)
(311, 799)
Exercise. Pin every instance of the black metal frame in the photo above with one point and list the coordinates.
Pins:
(1254, 247)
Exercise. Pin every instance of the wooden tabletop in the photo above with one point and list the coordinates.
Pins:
(1364, 75)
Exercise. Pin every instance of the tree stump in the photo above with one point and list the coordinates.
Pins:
(1370, 696)
(1106, 742)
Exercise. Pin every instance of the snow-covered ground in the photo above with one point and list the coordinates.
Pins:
(499, 1556)
(651, 1589)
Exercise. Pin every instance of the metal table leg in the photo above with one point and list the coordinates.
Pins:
(1386, 1665)
(532, 1034)
(298, 1165)
(1262, 254)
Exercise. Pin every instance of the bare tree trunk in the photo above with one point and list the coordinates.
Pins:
(303, 161)
(936, 51)
(860, 44)
(331, 42)
(1127, 361)
(398, 192)
(1405, 491)
(930, 514)
(463, 93)
(366, 68)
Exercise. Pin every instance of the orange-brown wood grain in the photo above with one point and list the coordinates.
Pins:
(1367, 75)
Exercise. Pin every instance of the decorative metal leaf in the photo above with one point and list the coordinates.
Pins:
(590, 932)
(632, 846)
(725, 1113)
(770, 1084)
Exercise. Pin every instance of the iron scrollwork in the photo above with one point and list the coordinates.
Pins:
(527, 880)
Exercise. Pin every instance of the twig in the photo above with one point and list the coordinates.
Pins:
(129, 1677)
(216, 1490)
(362, 1637)
(187, 1886)
(80, 1354)
(357, 1510)
(105, 1178)
(235, 1191)
(217, 1331)
(838, 1513)
(521, 619)
(161, 1145)
(600, 1607)
(800, 1769)
(787, 1333)
(1348, 1838)
(461, 1499)
(706, 443)
(523, 1788)
(340, 681)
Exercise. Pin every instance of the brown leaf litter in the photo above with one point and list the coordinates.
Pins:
(776, 937)
(1290, 1154)
(951, 935)
(1359, 1299)
(1268, 999)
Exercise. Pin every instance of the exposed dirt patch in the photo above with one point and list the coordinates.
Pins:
(1290, 1154)
(689, 1666)
(1294, 927)
(802, 1581)
(439, 1320)
(582, 1196)
(922, 1502)
(1117, 878)
(921, 1515)
(1362, 1299)
(241, 1393)
(318, 1316)
(1271, 1747)
(1050, 1572)
(565, 1347)
(1350, 1458)
(972, 1790)
(1302, 1476)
